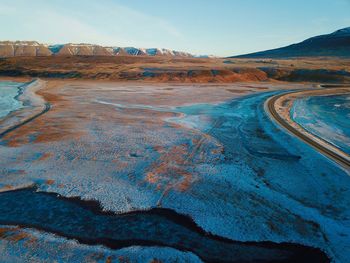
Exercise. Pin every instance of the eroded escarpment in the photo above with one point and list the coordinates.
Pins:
(86, 222)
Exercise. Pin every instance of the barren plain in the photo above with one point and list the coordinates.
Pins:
(164, 172)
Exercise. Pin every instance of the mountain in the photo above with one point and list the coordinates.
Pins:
(133, 51)
(33, 48)
(336, 44)
(80, 50)
(166, 52)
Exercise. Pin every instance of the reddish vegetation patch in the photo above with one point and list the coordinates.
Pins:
(43, 129)
(152, 177)
(45, 156)
(95, 257)
(13, 234)
(16, 235)
(254, 87)
(50, 97)
(170, 169)
(237, 91)
(6, 187)
(50, 182)
(4, 232)
(48, 127)
(159, 148)
(122, 259)
(121, 164)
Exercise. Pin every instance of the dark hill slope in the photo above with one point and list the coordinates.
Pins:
(336, 44)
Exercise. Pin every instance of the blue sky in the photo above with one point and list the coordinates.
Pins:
(220, 27)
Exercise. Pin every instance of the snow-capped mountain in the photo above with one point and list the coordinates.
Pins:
(133, 51)
(80, 50)
(166, 52)
(33, 48)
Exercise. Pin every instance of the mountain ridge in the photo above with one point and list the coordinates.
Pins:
(34, 48)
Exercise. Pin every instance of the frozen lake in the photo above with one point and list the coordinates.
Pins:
(326, 117)
(8, 102)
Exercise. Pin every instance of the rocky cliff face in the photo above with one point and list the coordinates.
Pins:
(23, 48)
(32, 49)
(80, 50)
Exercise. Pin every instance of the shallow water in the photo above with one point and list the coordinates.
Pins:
(8, 102)
(327, 117)
(86, 222)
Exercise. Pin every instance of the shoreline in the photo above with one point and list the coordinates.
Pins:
(180, 224)
(14, 97)
(33, 106)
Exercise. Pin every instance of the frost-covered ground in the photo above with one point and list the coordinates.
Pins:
(327, 117)
(27, 245)
(281, 189)
(226, 165)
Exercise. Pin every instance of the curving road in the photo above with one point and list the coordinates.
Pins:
(46, 109)
(331, 152)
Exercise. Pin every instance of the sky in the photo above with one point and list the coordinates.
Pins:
(202, 27)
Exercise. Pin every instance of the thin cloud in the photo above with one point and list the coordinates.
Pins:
(107, 24)
(142, 19)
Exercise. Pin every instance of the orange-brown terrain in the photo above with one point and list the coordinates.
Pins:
(178, 69)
